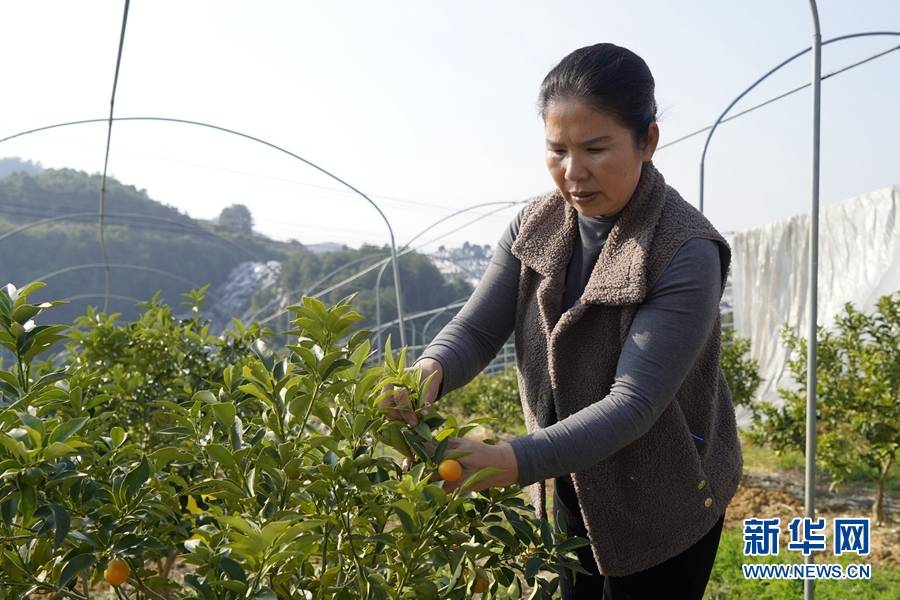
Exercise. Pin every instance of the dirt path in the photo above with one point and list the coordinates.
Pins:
(781, 495)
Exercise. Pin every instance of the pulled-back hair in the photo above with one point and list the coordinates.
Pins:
(609, 78)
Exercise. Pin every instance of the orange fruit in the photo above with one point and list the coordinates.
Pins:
(450, 470)
(117, 572)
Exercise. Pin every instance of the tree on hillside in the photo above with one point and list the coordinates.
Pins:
(237, 217)
(15, 164)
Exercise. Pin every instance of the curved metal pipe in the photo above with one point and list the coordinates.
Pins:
(113, 296)
(763, 78)
(118, 266)
(265, 143)
(136, 216)
(313, 286)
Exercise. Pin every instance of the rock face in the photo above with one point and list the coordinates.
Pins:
(469, 265)
(232, 298)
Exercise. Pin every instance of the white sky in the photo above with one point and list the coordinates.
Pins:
(429, 107)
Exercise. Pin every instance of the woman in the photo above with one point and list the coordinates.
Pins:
(611, 285)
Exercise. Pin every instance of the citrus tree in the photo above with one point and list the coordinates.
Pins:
(858, 391)
(494, 396)
(258, 472)
(741, 371)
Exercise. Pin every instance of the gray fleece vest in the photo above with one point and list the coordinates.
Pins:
(660, 494)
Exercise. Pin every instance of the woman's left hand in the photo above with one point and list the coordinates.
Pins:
(480, 455)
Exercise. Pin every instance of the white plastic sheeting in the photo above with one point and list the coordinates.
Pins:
(859, 260)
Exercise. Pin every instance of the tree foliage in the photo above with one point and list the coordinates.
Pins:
(161, 237)
(741, 371)
(858, 396)
(237, 218)
(271, 471)
(495, 396)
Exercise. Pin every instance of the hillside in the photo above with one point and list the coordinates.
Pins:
(49, 231)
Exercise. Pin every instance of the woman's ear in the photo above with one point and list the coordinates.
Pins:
(651, 142)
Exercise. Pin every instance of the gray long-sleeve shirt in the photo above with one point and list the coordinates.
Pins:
(666, 335)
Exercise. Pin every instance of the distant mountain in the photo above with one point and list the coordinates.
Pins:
(49, 231)
(326, 247)
(26, 196)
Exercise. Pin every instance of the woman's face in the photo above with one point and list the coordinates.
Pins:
(592, 158)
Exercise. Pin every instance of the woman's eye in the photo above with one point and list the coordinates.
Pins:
(596, 150)
(557, 151)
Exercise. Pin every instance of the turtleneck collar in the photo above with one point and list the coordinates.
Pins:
(593, 231)
(600, 219)
(548, 231)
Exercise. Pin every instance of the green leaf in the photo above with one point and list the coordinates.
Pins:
(254, 390)
(571, 544)
(236, 434)
(436, 495)
(482, 474)
(423, 430)
(221, 455)
(34, 423)
(117, 435)
(318, 308)
(360, 424)
(405, 511)
(339, 364)
(57, 449)
(8, 509)
(137, 477)
(9, 378)
(232, 568)
(503, 535)
(205, 396)
(76, 564)
(23, 292)
(61, 523)
(308, 358)
(546, 534)
(15, 447)
(47, 379)
(40, 338)
(388, 355)
(218, 487)
(170, 454)
(225, 413)
(64, 431)
(415, 445)
(532, 567)
(25, 312)
(440, 450)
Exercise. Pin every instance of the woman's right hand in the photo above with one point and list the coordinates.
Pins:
(397, 406)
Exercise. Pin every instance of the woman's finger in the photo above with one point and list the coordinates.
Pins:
(397, 407)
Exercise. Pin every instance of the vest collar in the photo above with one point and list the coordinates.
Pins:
(547, 235)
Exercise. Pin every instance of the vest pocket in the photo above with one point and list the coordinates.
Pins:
(658, 483)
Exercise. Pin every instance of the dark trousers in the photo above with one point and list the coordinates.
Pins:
(683, 576)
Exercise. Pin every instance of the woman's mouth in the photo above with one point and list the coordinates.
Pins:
(582, 197)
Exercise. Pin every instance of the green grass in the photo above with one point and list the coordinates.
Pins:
(758, 458)
(727, 579)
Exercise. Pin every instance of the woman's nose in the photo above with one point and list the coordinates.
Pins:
(575, 170)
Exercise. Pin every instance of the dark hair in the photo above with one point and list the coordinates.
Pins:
(609, 78)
